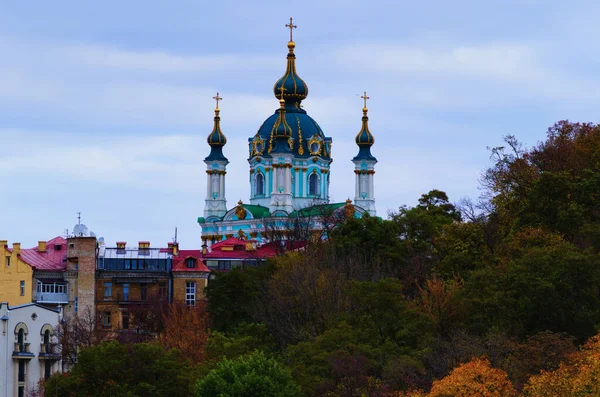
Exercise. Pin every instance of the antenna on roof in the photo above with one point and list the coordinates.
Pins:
(79, 218)
(66, 233)
(175, 238)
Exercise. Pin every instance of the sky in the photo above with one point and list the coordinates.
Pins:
(105, 106)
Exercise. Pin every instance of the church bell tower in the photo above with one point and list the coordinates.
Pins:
(216, 163)
(364, 165)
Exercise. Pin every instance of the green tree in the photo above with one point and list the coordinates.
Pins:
(111, 369)
(232, 297)
(248, 376)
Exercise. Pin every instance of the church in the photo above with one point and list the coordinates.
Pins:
(289, 158)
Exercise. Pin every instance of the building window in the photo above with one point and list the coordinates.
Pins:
(108, 290)
(143, 292)
(313, 184)
(224, 265)
(47, 369)
(125, 319)
(106, 319)
(162, 290)
(22, 288)
(191, 263)
(22, 376)
(190, 293)
(76, 304)
(260, 185)
(8, 261)
(125, 292)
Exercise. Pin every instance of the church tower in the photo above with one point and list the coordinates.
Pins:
(216, 163)
(364, 165)
(290, 156)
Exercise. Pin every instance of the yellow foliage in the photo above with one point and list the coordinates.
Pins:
(475, 378)
(578, 376)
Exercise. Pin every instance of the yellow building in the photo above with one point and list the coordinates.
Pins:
(15, 275)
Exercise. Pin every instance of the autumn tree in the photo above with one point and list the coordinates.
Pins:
(577, 376)
(475, 378)
(186, 330)
(77, 332)
(439, 300)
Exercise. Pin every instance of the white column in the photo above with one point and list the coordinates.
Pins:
(356, 186)
(208, 184)
(371, 186)
(221, 186)
(274, 171)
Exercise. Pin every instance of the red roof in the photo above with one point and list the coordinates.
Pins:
(52, 259)
(179, 264)
(237, 250)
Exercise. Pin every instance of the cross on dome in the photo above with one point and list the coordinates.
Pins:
(291, 26)
(217, 98)
(365, 97)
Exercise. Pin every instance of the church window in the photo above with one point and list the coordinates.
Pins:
(313, 184)
(314, 148)
(260, 185)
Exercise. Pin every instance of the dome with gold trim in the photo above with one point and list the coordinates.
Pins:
(294, 88)
(216, 139)
(364, 139)
(290, 129)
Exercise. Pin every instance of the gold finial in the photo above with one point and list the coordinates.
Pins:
(290, 26)
(281, 100)
(217, 98)
(365, 97)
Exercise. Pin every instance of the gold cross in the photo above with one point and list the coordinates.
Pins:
(217, 98)
(291, 26)
(365, 97)
(282, 89)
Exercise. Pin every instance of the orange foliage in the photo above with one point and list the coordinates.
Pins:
(578, 376)
(475, 378)
(438, 301)
(186, 329)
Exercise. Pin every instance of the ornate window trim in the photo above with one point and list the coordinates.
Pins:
(315, 139)
(258, 146)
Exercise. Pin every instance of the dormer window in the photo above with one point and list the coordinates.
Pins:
(190, 263)
(57, 247)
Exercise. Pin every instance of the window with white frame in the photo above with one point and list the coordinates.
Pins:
(313, 184)
(190, 293)
(260, 184)
(22, 288)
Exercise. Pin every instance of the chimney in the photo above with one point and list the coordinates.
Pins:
(143, 247)
(3, 244)
(41, 246)
(174, 248)
(17, 248)
(121, 247)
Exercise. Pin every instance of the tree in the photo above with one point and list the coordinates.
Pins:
(76, 332)
(186, 329)
(110, 369)
(577, 376)
(232, 297)
(532, 289)
(475, 378)
(439, 300)
(248, 376)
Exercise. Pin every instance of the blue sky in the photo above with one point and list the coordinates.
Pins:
(105, 106)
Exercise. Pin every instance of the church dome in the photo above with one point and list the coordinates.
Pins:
(290, 129)
(216, 139)
(364, 139)
(294, 88)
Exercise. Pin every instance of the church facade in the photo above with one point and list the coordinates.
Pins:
(289, 158)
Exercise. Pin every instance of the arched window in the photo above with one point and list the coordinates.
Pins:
(190, 263)
(21, 340)
(260, 185)
(47, 337)
(313, 184)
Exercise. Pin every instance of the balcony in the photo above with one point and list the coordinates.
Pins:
(56, 297)
(49, 351)
(22, 351)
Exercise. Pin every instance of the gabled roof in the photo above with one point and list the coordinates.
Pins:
(52, 259)
(179, 262)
